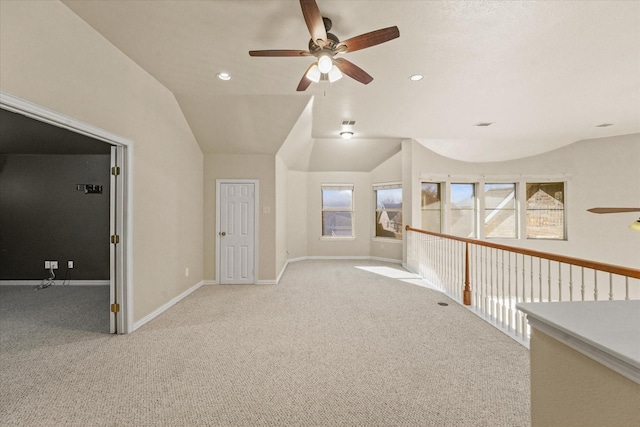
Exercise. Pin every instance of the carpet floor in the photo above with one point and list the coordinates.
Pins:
(336, 343)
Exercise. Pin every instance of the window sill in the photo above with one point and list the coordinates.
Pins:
(337, 238)
(386, 240)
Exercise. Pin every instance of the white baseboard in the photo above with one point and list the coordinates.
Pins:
(57, 282)
(149, 317)
(305, 258)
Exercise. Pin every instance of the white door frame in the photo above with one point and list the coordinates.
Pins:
(125, 263)
(256, 229)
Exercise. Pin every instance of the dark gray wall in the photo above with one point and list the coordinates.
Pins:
(44, 217)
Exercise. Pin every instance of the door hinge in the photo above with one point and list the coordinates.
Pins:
(115, 308)
(115, 239)
(115, 170)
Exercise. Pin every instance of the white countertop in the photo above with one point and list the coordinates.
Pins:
(607, 331)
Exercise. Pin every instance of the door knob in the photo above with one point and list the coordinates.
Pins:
(223, 233)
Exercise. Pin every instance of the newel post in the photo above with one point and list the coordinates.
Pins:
(466, 295)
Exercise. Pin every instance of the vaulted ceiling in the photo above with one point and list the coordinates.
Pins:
(545, 73)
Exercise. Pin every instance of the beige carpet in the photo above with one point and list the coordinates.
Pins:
(331, 345)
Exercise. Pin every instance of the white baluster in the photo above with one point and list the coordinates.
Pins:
(570, 282)
(610, 286)
(559, 281)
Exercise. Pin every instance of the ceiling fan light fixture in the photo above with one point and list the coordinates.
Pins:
(314, 73)
(346, 135)
(635, 226)
(325, 63)
(334, 74)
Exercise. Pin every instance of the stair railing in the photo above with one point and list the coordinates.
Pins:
(492, 278)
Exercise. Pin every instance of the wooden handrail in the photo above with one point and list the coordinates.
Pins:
(609, 268)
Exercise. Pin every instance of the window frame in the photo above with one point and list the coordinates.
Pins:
(475, 210)
(525, 210)
(516, 209)
(386, 186)
(335, 186)
(441, 210)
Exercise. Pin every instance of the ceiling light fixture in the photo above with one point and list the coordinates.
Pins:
(325, 63)
(314, 73)
(346, 135)
(224, 76)
(334, 74)
(416, 77)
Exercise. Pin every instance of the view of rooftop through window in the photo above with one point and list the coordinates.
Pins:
(389, 212)
(545, 210)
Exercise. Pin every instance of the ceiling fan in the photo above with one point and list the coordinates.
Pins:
(325, 46)
(634, 225)
(612, 210)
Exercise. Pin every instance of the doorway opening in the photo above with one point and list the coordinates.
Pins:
(119, 195)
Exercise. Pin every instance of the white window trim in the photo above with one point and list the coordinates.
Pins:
(338, 186)
(520, 180)
(384, 186)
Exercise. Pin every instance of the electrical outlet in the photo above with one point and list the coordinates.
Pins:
(54, 265)
(69, 264)
(47, 264)
(186, 272)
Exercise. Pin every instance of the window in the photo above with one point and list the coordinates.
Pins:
(431, 207)
(545, 210)
(388, 211)
(500, 214)
(463, 210)
(337, 210)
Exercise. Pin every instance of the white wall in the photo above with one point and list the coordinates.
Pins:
(52, 58)
(297, 215)
(281, 213)
(598, 172)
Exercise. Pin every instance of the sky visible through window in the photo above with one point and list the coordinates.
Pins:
(389, 198)
(461, 193)
(336, 198)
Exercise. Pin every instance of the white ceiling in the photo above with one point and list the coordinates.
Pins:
(545, 72)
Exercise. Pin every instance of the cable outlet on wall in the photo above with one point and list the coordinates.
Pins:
(69, 264)
(54, 265)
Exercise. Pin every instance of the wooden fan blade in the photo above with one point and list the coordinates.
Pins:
(370, 39)
(313, 18)
(279, 52)
(612, 210)
(304, 82)
(353, 71)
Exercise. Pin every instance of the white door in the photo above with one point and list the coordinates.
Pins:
(237, 232)
(116, 261)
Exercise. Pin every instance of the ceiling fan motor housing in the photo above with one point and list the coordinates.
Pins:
(331, 46)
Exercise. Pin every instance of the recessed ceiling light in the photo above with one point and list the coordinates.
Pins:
(604, 125)
(346, 135)
(483, 124)
(224, 76)
(416, 77)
